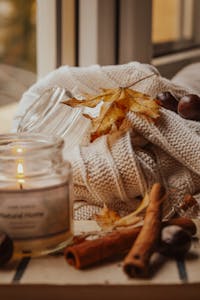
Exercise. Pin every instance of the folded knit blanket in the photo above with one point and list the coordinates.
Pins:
(117, 169)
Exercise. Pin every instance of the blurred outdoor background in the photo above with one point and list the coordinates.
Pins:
(18, 33)
(171, 31)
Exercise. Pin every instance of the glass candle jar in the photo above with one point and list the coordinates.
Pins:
(35, 193)
(48, 115)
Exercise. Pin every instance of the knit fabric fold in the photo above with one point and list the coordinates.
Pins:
(117, 169)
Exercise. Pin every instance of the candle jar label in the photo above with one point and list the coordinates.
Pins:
(35, 214)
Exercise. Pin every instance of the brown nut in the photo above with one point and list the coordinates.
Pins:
(189, 107)
(175, 241)
(168, 101)
(6, 248)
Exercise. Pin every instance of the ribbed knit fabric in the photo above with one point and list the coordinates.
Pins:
(118, 169)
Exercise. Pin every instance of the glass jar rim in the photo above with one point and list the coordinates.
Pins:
(45, 142)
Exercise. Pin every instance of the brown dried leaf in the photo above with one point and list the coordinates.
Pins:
(110, 115)
(73, 102)
(106, 218)
(128, 221)
(133, 217)
(116, 104)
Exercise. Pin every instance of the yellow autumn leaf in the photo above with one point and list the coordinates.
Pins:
(133, 217)
(106, 218)
(117, 103)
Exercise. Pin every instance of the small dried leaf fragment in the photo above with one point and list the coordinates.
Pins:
(128, 221)
(133, 217)
(116, 104)
(106, 218)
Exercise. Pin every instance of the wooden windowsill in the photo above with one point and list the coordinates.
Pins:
(51, 278)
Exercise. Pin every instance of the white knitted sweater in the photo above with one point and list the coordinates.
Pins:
(117, 169)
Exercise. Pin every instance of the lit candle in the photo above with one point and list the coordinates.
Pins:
(20, 174)
(35, 194)
(20, 169)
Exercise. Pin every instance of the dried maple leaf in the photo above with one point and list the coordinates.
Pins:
(133, 217)
(106, 218)
(116, 104)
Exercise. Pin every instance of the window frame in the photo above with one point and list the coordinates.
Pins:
(97, 40)
(184, 43)
(171, 63)
(77, 39)
(46, 36)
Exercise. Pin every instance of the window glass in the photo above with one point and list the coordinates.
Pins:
(165, 20)
(172, 26)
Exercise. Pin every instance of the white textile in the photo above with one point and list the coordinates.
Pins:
(117, 169)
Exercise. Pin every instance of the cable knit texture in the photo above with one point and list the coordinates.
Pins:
(117, 169)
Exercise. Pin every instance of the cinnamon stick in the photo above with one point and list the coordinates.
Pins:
(117, 243)
(136, 263)
(92, 251)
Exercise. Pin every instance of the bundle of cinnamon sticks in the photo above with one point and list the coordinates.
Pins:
(139, 242)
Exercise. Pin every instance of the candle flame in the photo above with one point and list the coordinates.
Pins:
(20, 172)
(20, 169)
(20, 166)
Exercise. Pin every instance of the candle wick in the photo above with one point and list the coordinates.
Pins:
(21, 186)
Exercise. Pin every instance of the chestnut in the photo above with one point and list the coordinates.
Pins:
(175, 242)
(6, 248)
(168, 101)
(189, 107)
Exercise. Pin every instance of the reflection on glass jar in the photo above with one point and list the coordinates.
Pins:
(48, 115)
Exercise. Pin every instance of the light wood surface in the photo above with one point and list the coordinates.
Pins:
(51, 278)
